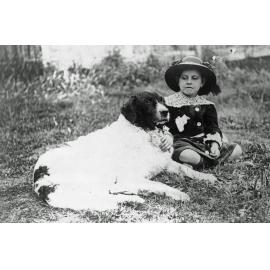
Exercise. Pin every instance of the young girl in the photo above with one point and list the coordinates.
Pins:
(197, 138)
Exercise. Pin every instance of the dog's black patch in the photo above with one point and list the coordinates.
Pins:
(44, 191)
(40, 172)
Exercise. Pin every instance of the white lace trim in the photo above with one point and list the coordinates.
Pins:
(179, 100)
(214, 137)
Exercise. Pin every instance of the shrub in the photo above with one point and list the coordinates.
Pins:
(20, 70)
(115, 71)
(254, 84)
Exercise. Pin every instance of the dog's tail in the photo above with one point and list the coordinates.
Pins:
(76, 195)
(41, 185)
(73, 196)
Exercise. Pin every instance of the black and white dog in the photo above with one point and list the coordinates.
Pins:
(114, 164)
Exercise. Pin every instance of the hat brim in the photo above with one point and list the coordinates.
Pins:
(173, 73)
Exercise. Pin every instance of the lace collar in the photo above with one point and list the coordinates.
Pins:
(179, 99)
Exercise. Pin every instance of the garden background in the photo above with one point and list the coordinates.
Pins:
(46, 103)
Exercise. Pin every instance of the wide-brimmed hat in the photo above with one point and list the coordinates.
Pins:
(173, 73)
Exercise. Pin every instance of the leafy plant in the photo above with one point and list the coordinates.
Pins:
(114, 71)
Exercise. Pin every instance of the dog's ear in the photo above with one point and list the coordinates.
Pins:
(129, 110)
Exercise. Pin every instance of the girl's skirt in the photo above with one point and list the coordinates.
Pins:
(197, 145)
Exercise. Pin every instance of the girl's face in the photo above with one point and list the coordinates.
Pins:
(190, 82)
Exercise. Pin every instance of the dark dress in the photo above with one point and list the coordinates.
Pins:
(194, 125)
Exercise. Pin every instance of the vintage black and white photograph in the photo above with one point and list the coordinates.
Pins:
(134, 133)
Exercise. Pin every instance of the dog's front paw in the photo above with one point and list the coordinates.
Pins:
(210, 178)
(184, 197)
(179, 196)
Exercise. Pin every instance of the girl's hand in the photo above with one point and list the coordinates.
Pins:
(214, 150)
(166, 142)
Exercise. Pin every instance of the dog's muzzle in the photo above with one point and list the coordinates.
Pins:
(164, 117)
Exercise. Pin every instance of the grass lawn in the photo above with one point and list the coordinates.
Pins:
(30, 123)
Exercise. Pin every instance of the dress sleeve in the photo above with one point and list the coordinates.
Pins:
(211, 127)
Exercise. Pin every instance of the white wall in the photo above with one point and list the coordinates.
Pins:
(64, 56)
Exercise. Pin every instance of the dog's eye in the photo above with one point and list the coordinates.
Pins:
(162, 101)
(149, 102)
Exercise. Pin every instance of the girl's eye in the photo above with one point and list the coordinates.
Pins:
(192, 77)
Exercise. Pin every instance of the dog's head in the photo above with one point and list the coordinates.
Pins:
(146, 110)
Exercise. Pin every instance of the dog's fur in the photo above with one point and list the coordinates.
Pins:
(113, 164)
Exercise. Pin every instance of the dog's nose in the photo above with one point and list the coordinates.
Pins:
(164, 113)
